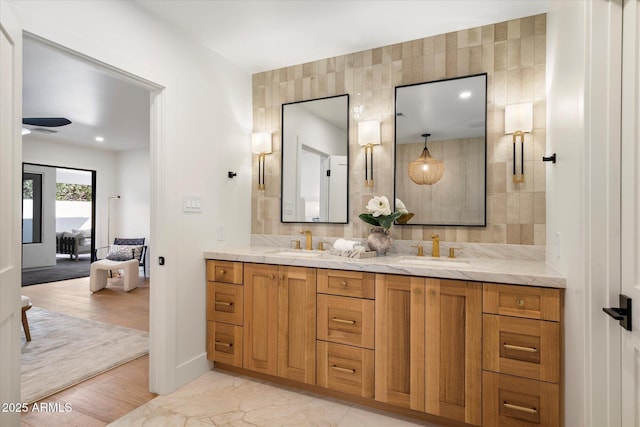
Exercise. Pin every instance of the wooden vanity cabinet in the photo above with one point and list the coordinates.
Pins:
(280, 321)
(224, 312)
(522, 356)
(482, 354)
(345, 355)
(453, 355)
(429, 346)
(400, 341)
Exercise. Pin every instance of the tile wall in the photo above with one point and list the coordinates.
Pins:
(512, 53)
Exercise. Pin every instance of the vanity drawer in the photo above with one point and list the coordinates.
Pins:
(224, 271)
(345, 368)
(523, 347)
(512, 401)
(225, 302)
(224, 343)
(346, 320)
(522, 301)
(347, 283)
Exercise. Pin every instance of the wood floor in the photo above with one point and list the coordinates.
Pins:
(106, 397)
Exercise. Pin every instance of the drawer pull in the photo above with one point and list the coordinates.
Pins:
(344, 283)
(221, 272)
(520, 302)
(271, 276)
(340, 369)
(520, 348)
(520, 408)
(228, 304)
(348, 322)
(224, 344)
(281, 277)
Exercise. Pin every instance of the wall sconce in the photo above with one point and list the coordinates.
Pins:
(518, 120)
(261, 145)
(425, 170)
(368, 136)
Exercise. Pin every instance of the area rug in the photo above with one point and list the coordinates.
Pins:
(65, 351)
(64, 269)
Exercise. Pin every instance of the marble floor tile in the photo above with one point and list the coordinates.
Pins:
(225, 399)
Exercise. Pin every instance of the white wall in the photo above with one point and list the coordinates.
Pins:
(201, 123)
(37, 149)
(133, 208)
(43, 254)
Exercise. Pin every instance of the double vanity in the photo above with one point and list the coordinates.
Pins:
(465, 340)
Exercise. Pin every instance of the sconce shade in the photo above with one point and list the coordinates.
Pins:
(518, 117)
(261, 143)
(369, 133)
(425, 170)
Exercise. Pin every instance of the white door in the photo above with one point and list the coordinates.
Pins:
(338, 189)
(10, 209)
(630, 211)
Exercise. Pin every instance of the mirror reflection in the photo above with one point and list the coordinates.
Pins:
(440, 151)
(315, 160)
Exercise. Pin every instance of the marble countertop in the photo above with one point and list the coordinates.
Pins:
(530, 273)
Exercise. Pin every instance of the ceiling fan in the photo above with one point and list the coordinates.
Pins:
(42, 123)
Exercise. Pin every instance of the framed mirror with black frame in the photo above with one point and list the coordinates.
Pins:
(441, 150)
(315, 161)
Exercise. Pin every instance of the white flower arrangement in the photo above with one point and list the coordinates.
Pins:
(379, 212)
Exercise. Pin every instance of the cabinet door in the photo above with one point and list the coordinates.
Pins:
(453, 356)
(260, 350)
(400, 341)
(297, 324)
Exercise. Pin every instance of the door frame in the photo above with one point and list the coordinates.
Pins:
(10, 229)
(93, 198)
(162, 307)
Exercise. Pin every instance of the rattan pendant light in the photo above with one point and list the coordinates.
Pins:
(426, 170)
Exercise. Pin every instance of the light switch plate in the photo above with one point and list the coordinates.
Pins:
(191, 203)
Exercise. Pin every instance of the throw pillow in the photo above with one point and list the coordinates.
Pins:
(120, 253)
(124, 252)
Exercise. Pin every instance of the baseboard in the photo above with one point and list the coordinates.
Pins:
(191, 369)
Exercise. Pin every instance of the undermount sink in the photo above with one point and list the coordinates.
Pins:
(300, 253)
(433, 262)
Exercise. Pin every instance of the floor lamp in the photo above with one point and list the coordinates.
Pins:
(111, 198)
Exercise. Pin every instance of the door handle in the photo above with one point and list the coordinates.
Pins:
(622, 313)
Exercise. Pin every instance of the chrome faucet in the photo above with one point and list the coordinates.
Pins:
(435, 248)
(308, 245)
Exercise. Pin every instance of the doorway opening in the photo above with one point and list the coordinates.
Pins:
(58, 223)
(110, 136)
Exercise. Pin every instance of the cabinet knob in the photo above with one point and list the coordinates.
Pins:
(520, 302)
(221, 272)
(271, 276)
(344, 283)
(281, 277)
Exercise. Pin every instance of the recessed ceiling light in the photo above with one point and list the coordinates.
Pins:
(99, 139)
(466, 94)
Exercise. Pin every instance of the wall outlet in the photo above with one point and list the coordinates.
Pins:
(220, 232)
